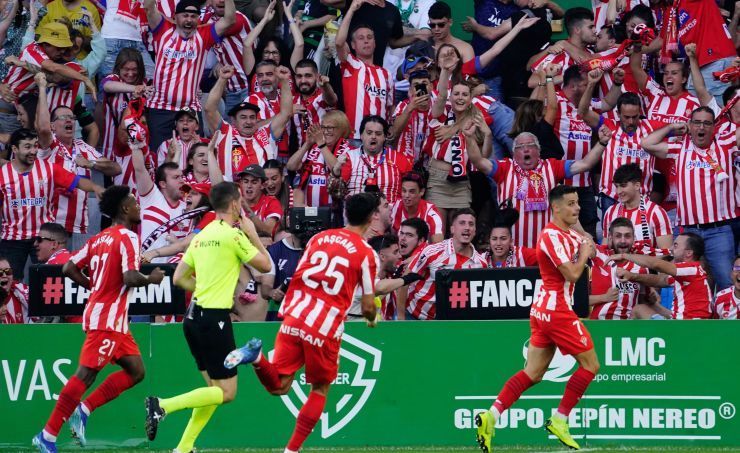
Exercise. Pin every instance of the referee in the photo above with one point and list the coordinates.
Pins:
(210, 269)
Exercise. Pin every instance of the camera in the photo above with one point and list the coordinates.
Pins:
(306, 222)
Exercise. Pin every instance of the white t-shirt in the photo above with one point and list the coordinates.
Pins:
(115, 28)
(418, 19)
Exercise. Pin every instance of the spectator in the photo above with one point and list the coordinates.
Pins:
(503, 253)
(82, 14)
(454, 253)
(373, 164)
(201, 164)
(184, 136)
(706, 191)
(123, 33)
(412, 237)
(649, 220)
(440, 22)
(530, 117)
(384, 19)
(24, 211)
(180, 47)
(26, 108)
(415, 21)
(285, 255)
(367, 88)
(381, 222)
(13, 296)
(244, 142)
(264, 210)
(728, 300)
(412, 205)
(411, 116)
(50, 244)
(691, 293)
(313, 20)
(277, 185)
(315, 97)
(268, 99)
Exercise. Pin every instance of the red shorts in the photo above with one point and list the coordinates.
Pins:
(563, 330)
(102, 347)
(297, 345)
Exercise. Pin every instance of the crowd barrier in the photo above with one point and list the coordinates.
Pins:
(405, 384)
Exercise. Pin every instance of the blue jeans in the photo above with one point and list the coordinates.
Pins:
(114, 46)
(234, 98)
(719, 251)
(503, 120)
(715, 87)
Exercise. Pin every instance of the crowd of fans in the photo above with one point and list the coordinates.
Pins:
(305, 103)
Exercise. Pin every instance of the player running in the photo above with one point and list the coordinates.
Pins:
(334, 264)
(562, 254)
(112, 257)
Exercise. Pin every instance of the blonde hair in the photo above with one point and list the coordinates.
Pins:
(343, 127)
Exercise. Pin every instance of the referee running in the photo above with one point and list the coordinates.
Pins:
(210, 269)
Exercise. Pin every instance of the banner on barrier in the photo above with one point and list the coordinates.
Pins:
(52, 294)
(505, 293)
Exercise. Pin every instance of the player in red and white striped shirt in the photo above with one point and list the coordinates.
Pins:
(727, 303)
(373, 164)
(525, 181)
(705, 185)
(454, 253)
(336, 264)
(13, 296)
(27, 190)
(315, 97)
(368, 89)
(651, 223)
(112, 260)
(243, 143)
(502, 252)
(181, 47)
(412, 205)
(691, 294)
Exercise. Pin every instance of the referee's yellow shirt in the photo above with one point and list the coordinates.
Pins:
(216, 254)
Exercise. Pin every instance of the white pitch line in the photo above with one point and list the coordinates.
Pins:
(598, 397)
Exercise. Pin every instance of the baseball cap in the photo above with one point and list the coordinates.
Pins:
(186, 111)
(188, 6)
(411, 61)
(200, 187)
(56, 34)
(253, 170)
(243, 106)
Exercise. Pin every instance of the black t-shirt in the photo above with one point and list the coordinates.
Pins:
(384, 21)
(549, 144)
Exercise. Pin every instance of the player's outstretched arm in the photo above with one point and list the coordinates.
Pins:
(134, 279)
(71, 271)
(651, 262)
(184, 277)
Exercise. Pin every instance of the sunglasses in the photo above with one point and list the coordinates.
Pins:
(437, 24)
(736, 268)
(65, 118)
(6, 271)
(42, 239)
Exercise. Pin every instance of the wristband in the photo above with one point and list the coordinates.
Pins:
(541, 84)
(603, 144)
(410, 278)
(548, 79)
(323, 145)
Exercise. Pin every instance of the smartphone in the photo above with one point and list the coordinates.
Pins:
(421, 89)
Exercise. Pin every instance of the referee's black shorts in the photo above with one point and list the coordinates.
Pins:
(210, 337)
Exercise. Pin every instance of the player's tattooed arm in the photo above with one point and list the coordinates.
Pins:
(71, 271)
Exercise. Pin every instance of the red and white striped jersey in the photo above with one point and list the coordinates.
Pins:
(335, 265)
(28, 198)
(574, 135)
(183, 163)
(368, 90)
(726, 304)
(19, 79)
(483, 104)
(267, 207)
(155, 211)
(72, 206)
(230, 51)
(385, 167)
(316, 108)
(411, 139)
(691, 293)
(666, 109)
(527, 191)
(179, 66)
(108, 255)
(625, 149)
(422, 297)
(649, 219)
(704, 181)
(268, 109)
(604, 277)
(517, 257)
(453, 151)
(599, 8)
(68, 94)
(563, 58)
(555, 247)
(426, 212)
(17, 305)
(314, 175)
(113, 106)
(236, 152)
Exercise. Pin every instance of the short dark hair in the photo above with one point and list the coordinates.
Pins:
(643, 12)
(29, 101)
(21, 134)
(684, 67)
(374, 119)
(559, 192)
(53, 112)
(383, 241)
(440, 10)
(272, 163)
(461, 211)
(307, 63)
(695, 243)
(161, 175)
(57, 231)
(702, 109)
(421, 227)
(357, 27)
(222, 194)
(414, 176)
(574, 17)
(621, 222)
(617, 32)
(112, 199)
(420, 74)
(628, 98)
(267, 62)
(572, 74)
(628, 173)
(359, 208)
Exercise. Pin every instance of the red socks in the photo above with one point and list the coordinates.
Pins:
(267, 374)
(114, 385)
(574, 390)
(513, 389)
(69, 398)
(307, 418)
